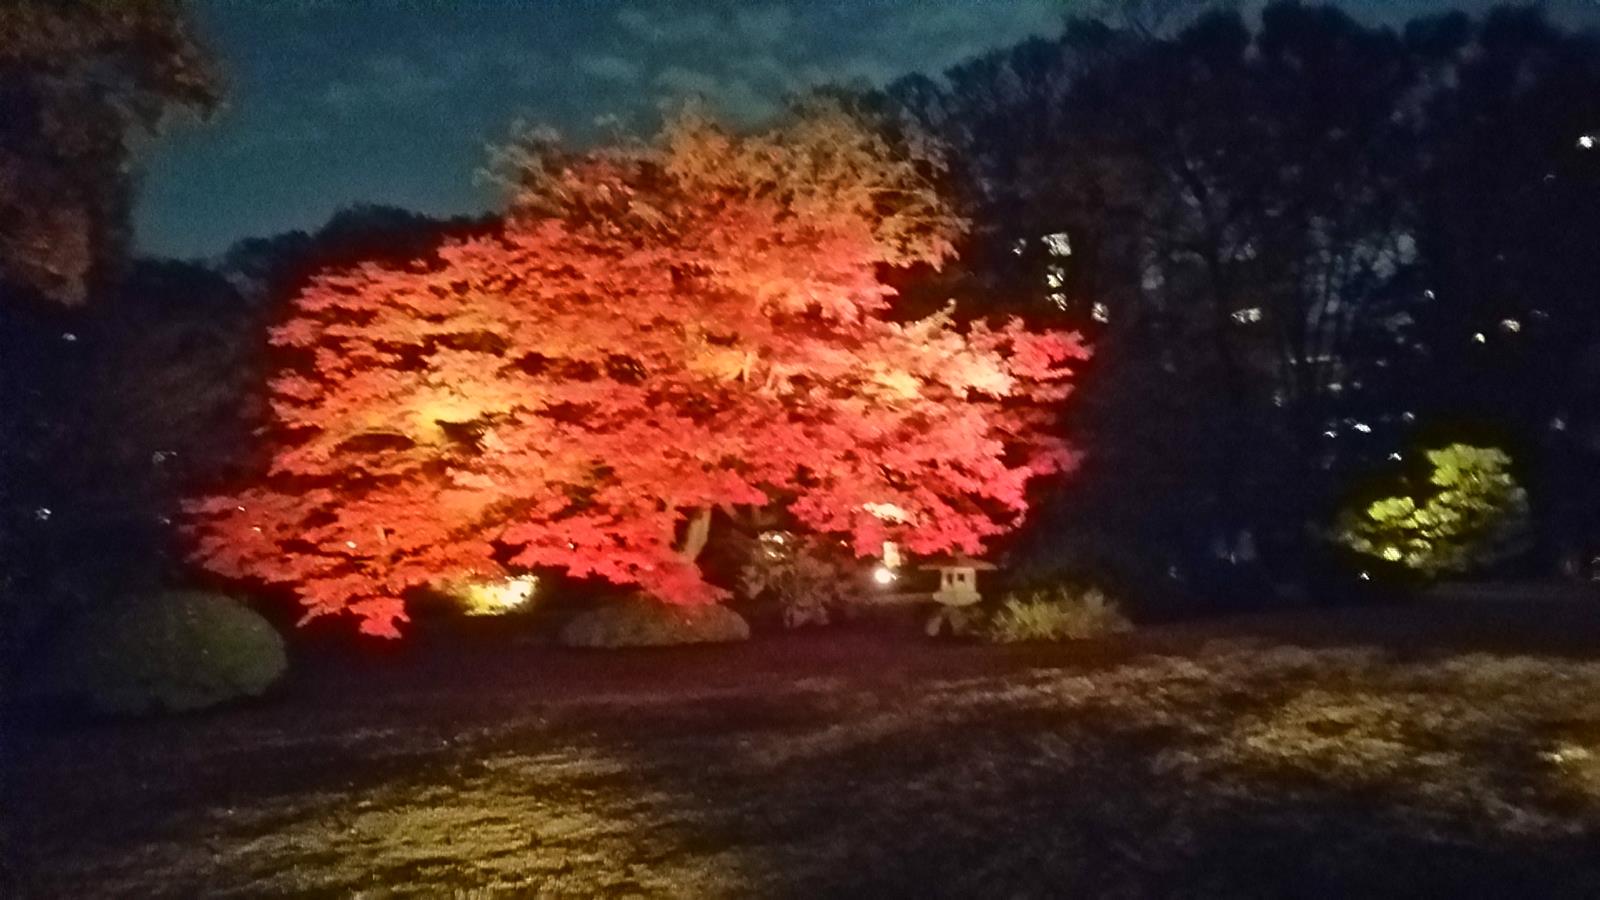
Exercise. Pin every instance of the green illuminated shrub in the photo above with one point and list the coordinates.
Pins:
(170, 652)
(640, 621)
(1058, 614)
(1471, 513)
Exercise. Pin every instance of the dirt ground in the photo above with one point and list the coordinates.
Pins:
(1443, 749)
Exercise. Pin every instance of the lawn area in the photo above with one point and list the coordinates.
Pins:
(1449, 749)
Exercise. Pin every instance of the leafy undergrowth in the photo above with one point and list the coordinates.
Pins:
(1233, 768)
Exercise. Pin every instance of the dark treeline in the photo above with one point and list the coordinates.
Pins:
(1304, 248)
(1305, 251)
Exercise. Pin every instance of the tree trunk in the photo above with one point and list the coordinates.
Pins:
(1231, 514)
(696, 534)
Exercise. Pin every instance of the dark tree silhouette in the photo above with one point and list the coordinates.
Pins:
(77, 79)
(1509, 204)
(1292, 244)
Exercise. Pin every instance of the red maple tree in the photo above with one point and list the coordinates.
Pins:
(655, 332)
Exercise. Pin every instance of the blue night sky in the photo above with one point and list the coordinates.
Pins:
(336, 103)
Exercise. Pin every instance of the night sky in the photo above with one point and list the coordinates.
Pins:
(336, 103)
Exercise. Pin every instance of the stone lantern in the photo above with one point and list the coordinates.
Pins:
(958, 589)
(958, 579)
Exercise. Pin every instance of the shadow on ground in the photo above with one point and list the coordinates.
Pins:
(1364, 753)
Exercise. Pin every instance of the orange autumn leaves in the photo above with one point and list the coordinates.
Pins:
(655, 331)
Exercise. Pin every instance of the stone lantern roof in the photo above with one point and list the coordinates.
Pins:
(958, 561)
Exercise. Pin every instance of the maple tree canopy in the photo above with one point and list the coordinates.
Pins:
(656, 331)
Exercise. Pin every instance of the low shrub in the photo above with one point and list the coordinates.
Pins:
(175, 651)
(1153, 580)
(805, 576)
(1058, 614)
(640, 621)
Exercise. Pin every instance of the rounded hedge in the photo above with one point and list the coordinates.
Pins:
(643, 622)
(169, 652)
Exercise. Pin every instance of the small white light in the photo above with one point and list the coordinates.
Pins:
(1364, 428)
(1101, 313)
(68, 336)
(1330, 433)
(1558, 424)
(1479, 338)
(883, 575)
(1365, 577)
(350, 544)
(256, 528)
(1586, 142)
(1510, 326)
(42, 514)
(239, 508)
(1395, 456)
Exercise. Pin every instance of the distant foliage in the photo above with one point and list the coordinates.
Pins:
(640, 621)
(1298, 240)
(1471, 513)
(656, 332)
(171, 652)
(1058, 614)
(79, 80)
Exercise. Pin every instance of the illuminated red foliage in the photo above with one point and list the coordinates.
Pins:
(655, 332)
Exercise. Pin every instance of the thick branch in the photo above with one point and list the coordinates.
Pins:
(695, 536)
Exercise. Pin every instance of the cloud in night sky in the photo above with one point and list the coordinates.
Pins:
(333, 104)
(610, 68)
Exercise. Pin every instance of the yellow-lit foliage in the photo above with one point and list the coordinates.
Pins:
(494, 598)
(1472, 513)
